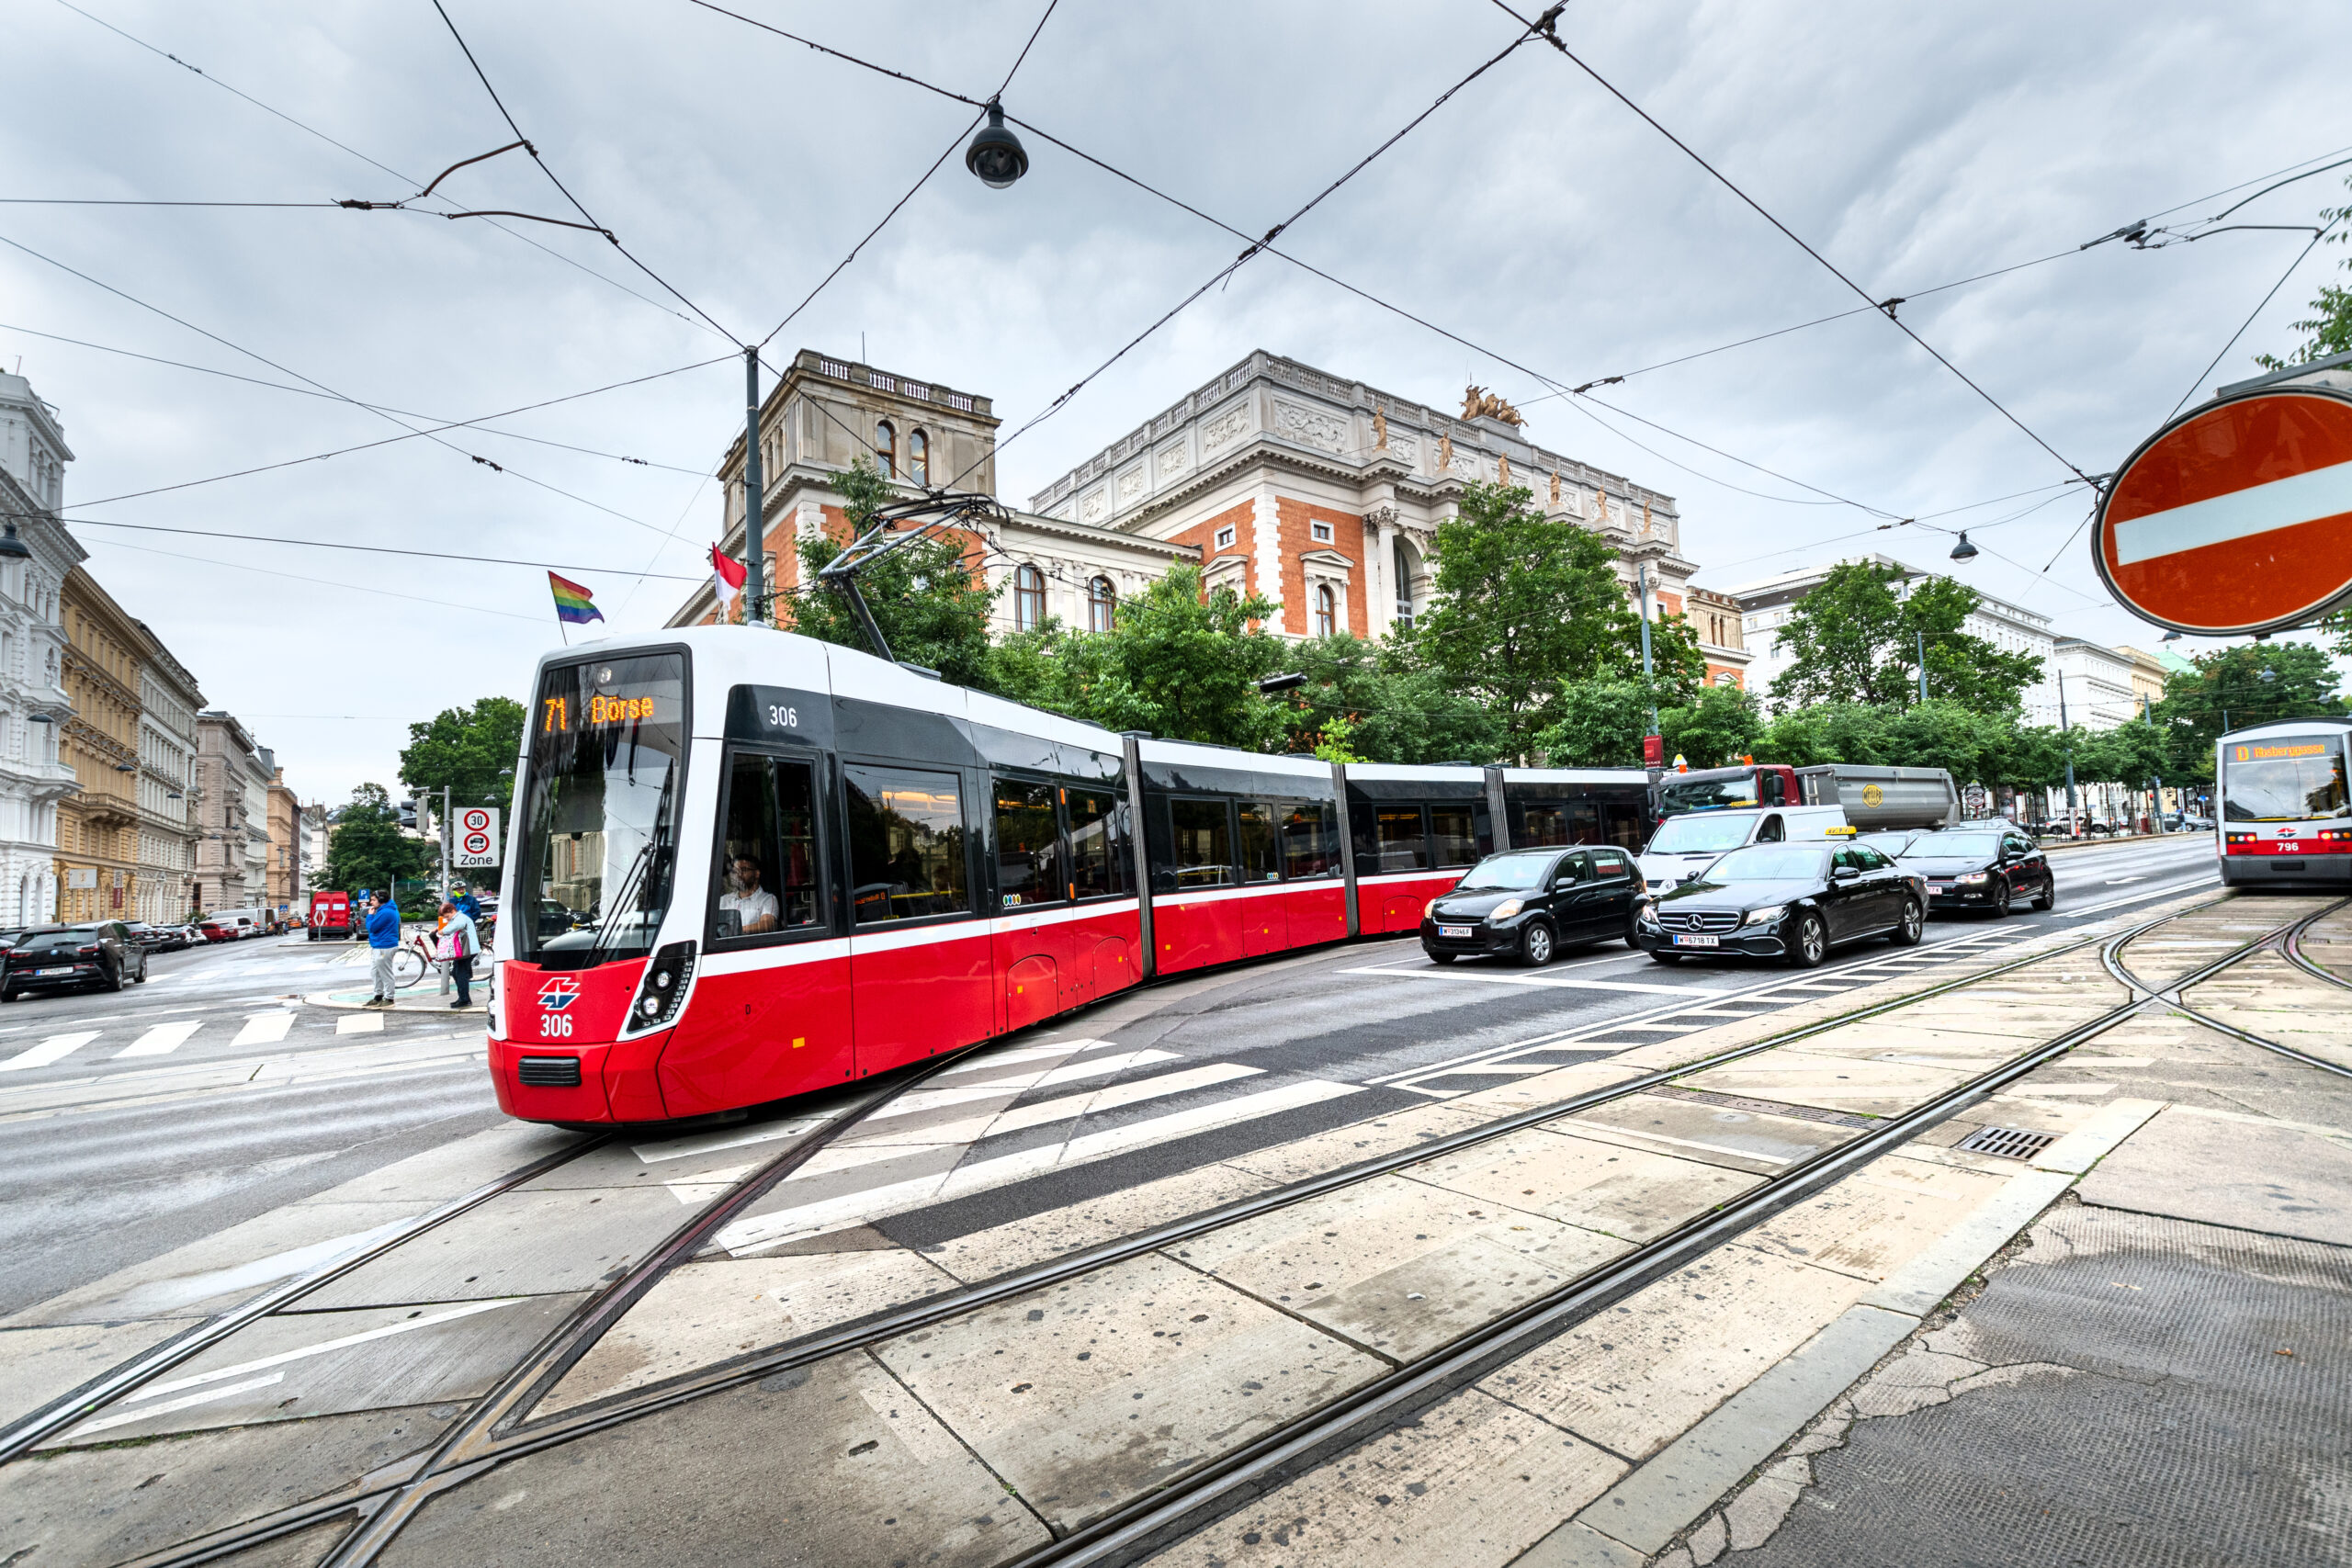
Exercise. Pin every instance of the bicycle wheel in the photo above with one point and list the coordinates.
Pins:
(408, 968)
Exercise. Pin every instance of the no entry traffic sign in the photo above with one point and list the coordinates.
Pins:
(2236, 518)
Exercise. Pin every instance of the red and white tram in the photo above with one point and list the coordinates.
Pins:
(746, 865)
(2286, 814)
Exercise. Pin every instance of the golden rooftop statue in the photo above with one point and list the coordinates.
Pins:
(1476, 401)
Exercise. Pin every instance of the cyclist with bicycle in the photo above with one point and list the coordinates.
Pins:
(460, 942)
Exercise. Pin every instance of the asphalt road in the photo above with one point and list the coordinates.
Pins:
(148, 1132)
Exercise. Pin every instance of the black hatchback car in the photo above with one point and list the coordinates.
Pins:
(1528, 904)
(53, 957)
(1982, 868)
(1792, 902)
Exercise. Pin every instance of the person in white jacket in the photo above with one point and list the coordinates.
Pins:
(460, 942)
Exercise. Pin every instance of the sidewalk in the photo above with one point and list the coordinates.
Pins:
(425, 996)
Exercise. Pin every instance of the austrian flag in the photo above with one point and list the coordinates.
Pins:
(727, 574)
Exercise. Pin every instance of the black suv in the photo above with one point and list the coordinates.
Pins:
(1527, 904)
(52, 957)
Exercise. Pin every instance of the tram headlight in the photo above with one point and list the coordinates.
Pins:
(663, 987)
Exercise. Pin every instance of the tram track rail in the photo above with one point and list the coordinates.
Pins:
(498, 1429)
(2291, 946)
(2284, 941)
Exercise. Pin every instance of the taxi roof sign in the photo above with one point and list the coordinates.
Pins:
(2236, 518)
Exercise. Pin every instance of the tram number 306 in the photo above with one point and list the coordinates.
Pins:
(555, 1026)
(783, 718)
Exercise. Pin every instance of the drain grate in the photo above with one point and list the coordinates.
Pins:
(2010, 1143)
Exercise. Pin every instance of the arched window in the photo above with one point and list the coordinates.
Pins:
(1403, 583)
(1102, 603)
(1028, 599)
(919, 457)
(1326, 611)
(885, 450)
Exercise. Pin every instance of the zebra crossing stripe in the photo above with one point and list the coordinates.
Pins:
(265, 1028)
(55, 1048)
(162, 1040)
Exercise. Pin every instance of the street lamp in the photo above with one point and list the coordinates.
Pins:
(996, 154)
(12, 548)
(1963, 551)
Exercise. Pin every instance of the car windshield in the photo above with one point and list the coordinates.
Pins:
(1506, 872)
(45, 941)
(600, 816)
(2291, 778)
(1676, 796)
(1700, 835)
(1953, 846)
(1770, 863)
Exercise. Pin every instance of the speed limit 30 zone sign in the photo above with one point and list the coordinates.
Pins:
(2236, 518)
(477, 839)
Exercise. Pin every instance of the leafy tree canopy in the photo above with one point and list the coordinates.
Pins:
(2232, 687)
(925, 595)
(365, 849)
(1373, 702)
(465, 748)
(2329, 327)
(1856, 640)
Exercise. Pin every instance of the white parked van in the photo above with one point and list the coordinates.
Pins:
(1685, 845)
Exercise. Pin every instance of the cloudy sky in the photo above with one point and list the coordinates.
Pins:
(1533, 215)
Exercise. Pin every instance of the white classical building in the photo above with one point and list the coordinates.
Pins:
(2096, 685)
(1765, 606)
(36, 552)
(168, 703)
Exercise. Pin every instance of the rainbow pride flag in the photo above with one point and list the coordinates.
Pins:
(572, 603)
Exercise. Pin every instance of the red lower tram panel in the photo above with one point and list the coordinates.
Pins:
(1396, 904)
(557, 1061)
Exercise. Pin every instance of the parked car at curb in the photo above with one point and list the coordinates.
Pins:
(1990, 871)
(1790, 901)
(57, 957)
(1528, 904)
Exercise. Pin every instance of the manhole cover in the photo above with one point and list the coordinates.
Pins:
(2010, 1143)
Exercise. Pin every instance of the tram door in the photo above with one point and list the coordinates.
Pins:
(919, 964)
(1033, 954)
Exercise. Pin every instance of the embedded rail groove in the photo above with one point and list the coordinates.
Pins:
(2291, 945)
(107, 1388)
(2284, 939)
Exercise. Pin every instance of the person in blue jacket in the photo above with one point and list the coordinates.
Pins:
(383, 940)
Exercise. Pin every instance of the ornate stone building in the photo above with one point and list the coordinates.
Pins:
(33, 700)
(1320, 493)
(233, 815)
(168, 703)
(289, 856)
(97, 827)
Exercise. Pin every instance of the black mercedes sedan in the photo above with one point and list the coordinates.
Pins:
(1982, 868)
(1528, 904)
(1792, 902)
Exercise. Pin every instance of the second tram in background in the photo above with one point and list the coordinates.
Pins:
(2286, 816)
(746, 865)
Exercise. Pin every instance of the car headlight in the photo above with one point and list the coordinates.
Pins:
(1648, 916)
(1973, 876)
(1766, 914)
(1507, 909)
(1428, 911)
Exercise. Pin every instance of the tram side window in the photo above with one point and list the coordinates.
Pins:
(1454, 834)
(1028, 845)
(906, 843)
(1098, 842)
(1203, 844)
(1388, 837)
(1556, 823)
(1310, 840)
(767, 872)
(1257, 858)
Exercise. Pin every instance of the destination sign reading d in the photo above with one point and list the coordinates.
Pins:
(2236, 518)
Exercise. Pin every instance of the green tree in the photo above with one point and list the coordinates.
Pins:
(465, 748)
(925, 594)
(365, 849)
(1386, 708)
(1598, 724)
(1522, 607)
(1715, 729)
(1856, 640)
(2232, 687)
(1180, 664)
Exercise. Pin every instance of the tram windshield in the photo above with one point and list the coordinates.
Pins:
(607, 742)
(2288, 778)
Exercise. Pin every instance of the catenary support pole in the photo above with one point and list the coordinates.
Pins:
(755, 532)
(1642, 581)
(445, 868)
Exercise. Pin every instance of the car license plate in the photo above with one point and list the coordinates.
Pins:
(39, 974)
(1687, 941)
(1938, 886)
(1462, 932)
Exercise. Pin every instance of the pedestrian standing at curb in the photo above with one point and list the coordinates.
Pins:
(383, 942)
(468, 904)
(460, 942)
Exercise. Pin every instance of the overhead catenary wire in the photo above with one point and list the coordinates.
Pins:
(2292, 266)
(327, 582)
(370, 550)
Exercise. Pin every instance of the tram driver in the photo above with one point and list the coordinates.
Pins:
(753, 907)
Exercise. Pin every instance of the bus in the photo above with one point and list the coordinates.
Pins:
(2286, 818)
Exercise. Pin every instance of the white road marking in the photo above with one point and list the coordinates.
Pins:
(467, 1309)
(2120, 881)
(710, 1143)
(2169, 888)
(162, 1040)
(360, 1023)
(1101, 1066)
(1538, 978)
(104, 1422)
(265, 1028)
(54, 1048)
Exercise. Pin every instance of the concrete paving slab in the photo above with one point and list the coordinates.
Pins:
(1640, 1374)
(225, 1268)
(452, 1170)
(1576, 1545)
(1474, 1483)
(111, 1504)
(1797, 1077)
(705, 1312)
(1657, 1502)
(1712, 1135)
(38, 1365)
(303, 1548)
(1396, 1266)
(1873, 1222)
(2219, 1172)
(1936, 1269)
(1549, 1088)
(517, 1245)
(2089, 1142)
(1360, 1141)
(1597, 1186)
(1017, 1244)
(831, 1466)
(295, 1367)
(639, 1162)
(1089, 1394)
